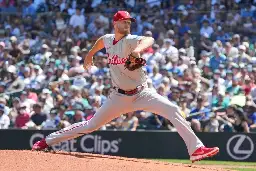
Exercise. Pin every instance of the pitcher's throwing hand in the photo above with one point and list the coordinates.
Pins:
(88, 63)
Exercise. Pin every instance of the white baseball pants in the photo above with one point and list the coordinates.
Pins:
(118, 104)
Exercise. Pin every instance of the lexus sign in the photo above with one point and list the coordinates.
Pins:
(240, 147)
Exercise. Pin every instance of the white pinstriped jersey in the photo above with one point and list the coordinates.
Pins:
(117, 55)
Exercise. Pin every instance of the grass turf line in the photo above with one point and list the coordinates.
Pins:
(248, 166)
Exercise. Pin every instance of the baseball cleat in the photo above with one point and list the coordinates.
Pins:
(203, 152)
(40, 145)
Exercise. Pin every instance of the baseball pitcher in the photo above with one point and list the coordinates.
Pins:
(130, 92)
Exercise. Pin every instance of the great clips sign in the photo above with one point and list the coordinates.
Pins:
(87, 143)
(140, 144)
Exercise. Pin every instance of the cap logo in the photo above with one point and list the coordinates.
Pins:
(127, 14)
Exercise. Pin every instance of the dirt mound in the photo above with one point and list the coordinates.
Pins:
(14, 160)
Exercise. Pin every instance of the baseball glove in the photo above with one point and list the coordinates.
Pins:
(134, 63)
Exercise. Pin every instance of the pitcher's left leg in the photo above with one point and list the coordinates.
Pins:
(155, 103)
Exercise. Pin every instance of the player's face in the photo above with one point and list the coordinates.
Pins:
(123, 27)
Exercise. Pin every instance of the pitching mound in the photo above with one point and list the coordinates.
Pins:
(13, 160)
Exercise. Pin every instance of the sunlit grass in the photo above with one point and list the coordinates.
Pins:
(248, 166)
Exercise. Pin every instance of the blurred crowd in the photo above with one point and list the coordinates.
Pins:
(203, 60)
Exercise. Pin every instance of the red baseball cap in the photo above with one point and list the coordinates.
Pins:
(123, 15)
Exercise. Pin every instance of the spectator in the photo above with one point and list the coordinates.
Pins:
(77, 20)
(189, 48)
(43, 56)
(96, 28)
(48, 101)
(168, 49)
(14, 110)
(28, 8)
(128, 122)
(240, 124)
(199, 121)
(22, 118)
(53, 121)
(205, 43)
(235, 88)
(212, 125)
(217, 59)
(25, 101)
(236, 40)
(243, 57)
(248, 85)
(231, 51)
(37, 116)
(60, 22)
(184, 109)
(206, 28)
(204, 59)
(4, 119)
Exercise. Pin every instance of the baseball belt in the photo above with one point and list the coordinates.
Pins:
(130, 92)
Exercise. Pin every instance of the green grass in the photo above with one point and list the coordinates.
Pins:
(211, 162)
(244, 169)
(241, 166)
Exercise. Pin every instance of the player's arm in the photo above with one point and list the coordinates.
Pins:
(139, 44)
(143, 44)
(88, 60)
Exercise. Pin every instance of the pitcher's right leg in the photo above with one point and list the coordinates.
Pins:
(155, 103)
(111, 109)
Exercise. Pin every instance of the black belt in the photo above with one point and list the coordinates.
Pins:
(130, 92)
